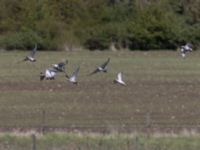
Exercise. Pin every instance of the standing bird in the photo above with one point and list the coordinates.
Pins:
(186, 48)
(31, 56)
(73, 77)
(119, 79)
(102, 68)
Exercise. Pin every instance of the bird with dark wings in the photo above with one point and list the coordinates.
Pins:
(101, 68)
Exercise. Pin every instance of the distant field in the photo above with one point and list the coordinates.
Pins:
(162, 92)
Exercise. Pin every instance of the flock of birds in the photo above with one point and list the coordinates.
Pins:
(50, 73)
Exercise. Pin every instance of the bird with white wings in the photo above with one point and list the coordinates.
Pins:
(119, 79)
(73, 77)
(49, 74)
(101, 68)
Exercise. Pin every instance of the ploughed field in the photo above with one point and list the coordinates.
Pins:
(162, 92)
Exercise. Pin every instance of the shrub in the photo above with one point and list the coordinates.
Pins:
(20, 40)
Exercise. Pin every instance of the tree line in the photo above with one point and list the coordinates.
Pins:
(99, 24)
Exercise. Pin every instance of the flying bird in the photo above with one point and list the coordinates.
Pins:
(102, 68)
(49, 74)
(60, 67)
(73, 77)
(186, 48)
(31, 56)
(119, 79)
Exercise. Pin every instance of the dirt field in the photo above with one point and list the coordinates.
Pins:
(162, 93)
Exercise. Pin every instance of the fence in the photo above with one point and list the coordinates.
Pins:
(103, 142)
(44, 121)
(147, 122)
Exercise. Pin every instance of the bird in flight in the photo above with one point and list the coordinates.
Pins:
(31, 56)
(102, 68)
(73, 77)
(49, 74)
(119, 79)
(186, 48)
(60, 67)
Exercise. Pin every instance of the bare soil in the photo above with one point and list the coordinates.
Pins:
(143, 105)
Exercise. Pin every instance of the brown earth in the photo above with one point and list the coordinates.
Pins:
(102, 106)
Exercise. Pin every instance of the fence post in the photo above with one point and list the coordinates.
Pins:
(33, 142)
(100, 144)
(43, 121)
(88, 144)
(136, 143)
(128, 144)
(148, 124)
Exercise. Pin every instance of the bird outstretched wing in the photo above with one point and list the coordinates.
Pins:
(119, 76)
(32, 54)
(103, 66)
(74, 75)
(95, 71)
(105, 63)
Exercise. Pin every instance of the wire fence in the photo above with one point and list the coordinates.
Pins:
(44, 121)
(145, 122)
